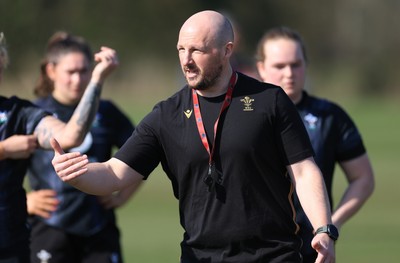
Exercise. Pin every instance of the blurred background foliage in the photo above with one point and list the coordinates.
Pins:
(352, 44)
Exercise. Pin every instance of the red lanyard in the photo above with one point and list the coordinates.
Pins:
(199, 120)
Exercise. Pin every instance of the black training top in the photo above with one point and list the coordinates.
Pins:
(335, 138)
(17, 117)
(333, 134)
(79, 213)
(249, 216)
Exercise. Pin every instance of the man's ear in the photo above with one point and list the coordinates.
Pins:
(229, 49)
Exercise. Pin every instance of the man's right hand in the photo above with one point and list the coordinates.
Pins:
(18, 146)
(68, 166)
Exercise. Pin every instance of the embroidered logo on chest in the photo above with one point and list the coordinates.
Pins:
(44, 256)
(188, 113)
(3, 117)
(311, 121)
(247, 103)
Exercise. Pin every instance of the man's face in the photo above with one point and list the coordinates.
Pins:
(284, 65)
(200, 59)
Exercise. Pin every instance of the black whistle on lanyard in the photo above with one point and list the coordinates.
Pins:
(212, 177)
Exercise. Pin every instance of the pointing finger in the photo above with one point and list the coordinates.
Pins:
(56, 147)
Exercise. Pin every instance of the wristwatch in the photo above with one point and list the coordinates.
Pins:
(330, 229)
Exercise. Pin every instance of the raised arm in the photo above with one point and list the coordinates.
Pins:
(310, 188)
(72, 133)
(93, 178)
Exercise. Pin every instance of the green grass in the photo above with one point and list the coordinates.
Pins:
(150, 224)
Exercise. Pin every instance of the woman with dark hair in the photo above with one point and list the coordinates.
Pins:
(67, 224)
(25, 127)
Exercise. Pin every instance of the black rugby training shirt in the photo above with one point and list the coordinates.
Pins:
(248, 217)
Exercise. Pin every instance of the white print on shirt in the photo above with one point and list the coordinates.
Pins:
(44, 256)
(311, 121)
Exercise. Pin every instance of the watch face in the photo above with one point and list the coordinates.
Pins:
(329, 229)
(333, 232)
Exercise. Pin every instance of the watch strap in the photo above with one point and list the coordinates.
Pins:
(329, 229)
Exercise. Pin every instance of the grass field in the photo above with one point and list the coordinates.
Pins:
(150, 223)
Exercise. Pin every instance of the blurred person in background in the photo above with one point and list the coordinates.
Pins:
(233, 148)
(282, 61)
(25, 127)
(67, 224)
(3, 55)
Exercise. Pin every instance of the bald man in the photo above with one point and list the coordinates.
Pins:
(233, 148)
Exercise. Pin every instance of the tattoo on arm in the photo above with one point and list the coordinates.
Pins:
(85, 113)
(44, 134)
(87, 107)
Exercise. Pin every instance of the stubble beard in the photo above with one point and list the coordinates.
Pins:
(205, 80)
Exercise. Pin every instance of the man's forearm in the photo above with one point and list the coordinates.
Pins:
(310, 188)
(97, 180)
(314, 200)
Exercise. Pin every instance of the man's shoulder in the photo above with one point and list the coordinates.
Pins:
(167, 109)
(175, 100)
(247, 83)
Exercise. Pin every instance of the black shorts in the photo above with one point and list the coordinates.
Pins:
(60, 247)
